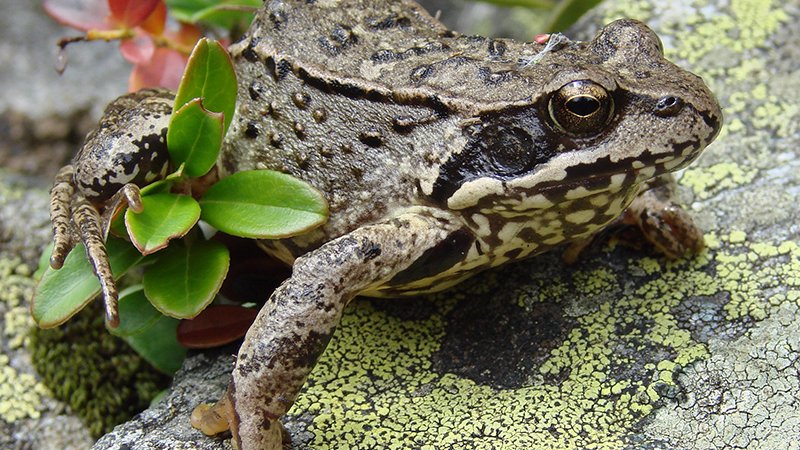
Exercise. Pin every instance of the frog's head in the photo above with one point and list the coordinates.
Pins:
(601, 117)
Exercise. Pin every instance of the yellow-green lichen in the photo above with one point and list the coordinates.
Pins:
(376, 386)
(709, 181)
(15, 286)
(20, 393)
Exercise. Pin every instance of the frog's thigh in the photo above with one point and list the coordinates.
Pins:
(663, 222)
(295, 325)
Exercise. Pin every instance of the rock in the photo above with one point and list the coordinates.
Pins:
(95, 75)
(29, 417)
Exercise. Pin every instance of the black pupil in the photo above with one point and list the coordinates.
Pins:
(583, 105)
(667, 102)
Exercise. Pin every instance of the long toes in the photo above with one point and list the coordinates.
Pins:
(88, 220)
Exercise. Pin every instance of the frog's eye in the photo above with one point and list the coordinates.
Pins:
(581, 107)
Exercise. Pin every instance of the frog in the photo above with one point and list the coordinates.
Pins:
(440, 155)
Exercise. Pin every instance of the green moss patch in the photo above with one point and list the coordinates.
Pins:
(98, 375)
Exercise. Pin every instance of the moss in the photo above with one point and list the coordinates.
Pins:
(98, 375)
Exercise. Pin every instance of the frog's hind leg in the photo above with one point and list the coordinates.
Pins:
(297, 322)
(664, 223)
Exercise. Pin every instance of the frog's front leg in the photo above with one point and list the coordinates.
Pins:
(664, 223)
(296, 323)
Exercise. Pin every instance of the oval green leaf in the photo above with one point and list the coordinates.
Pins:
(165, 216)
(219, 13)
(263, 204)
(159, 346)
(62, 293)
(136, 314)
(186, 278)
(209, 76)
(194, 138)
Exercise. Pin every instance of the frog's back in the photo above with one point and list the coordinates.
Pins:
(356, 99)
(384, 110)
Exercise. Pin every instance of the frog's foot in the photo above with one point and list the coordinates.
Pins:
(220, 417)
(213, 419)
(664, 223)
(75, 217)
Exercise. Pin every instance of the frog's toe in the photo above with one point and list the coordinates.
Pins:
(672, 231)
(211, 419)
(61, 216)
(220, 417)
(666, 225)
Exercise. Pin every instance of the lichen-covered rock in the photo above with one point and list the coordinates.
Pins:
(622, 351)
(29, 416)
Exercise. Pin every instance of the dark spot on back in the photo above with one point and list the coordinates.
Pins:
(278, 69)
(278, 19)
(341, 38)
(251, 131)
(255, 89)
(372, 137)
(390, 21)
(249, 52)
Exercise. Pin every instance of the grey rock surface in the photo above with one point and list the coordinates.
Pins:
(96, 73)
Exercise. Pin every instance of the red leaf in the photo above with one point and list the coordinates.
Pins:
(139, 49)
(164, 69)
(217, 325)
(156, 21)
(84, 15)
(130, 13)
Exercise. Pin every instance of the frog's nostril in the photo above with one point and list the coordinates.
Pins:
(668, 106)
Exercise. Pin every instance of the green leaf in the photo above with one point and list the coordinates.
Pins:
(194, 138)
(44, 262)
(263, 204)
(136, 314)
(158, 345)
(186, 278)
(149, 332)
(568, 12)
(62, 293)
(214, 12)
(209, 76)
(165, 184)
(165, 216)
